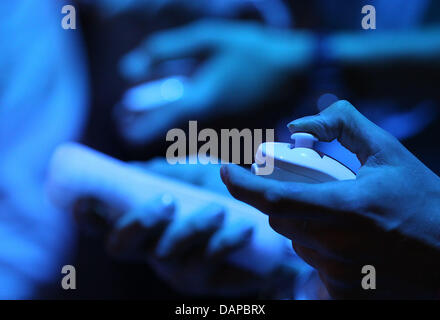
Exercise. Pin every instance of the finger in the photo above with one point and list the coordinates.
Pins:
(182, 42)
(136, 229)
(229, 239)
(344, 243)
(343, 122)
(152, 125)
(331, 200)
(194, 230)
(342, 279)
(93, 216)
(330, 268)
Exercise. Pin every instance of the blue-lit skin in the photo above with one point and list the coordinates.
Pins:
(347, 48)
(151, 95)
(389, 217)
(172, 89)
(34, 121)
(29, 133)
(192, 253)
(249, 62)
(43, 90)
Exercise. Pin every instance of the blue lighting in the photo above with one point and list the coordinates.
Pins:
(172, 89)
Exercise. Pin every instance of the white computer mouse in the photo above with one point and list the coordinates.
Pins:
(299, 162)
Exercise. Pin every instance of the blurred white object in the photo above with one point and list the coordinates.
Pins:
(300, 163)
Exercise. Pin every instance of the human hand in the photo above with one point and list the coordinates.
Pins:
(246, 63)
(191, 252)
(202, 175)
(388, 217)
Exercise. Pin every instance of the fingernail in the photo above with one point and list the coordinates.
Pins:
(291, 125)
(240, 240)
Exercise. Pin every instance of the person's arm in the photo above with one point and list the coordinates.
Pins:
(378, 47)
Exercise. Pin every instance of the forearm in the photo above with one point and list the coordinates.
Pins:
(364, 48)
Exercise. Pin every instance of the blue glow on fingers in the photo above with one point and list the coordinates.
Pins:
(172, 89)
(134, 66)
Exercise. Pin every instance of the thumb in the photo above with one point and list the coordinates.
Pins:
(343, 122)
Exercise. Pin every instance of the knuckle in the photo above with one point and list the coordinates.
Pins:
(275, 198)
(343, 106)
(321, 126)
(343, 111)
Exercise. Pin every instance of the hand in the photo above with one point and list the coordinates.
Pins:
(202, 175)
(246, 64)
(389, 217)
(191, 252)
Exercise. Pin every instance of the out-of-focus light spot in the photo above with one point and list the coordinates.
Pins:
(172, 89)
(154, 94)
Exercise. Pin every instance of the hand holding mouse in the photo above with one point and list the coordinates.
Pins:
(388, 217)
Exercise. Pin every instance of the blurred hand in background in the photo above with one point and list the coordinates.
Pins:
(243, 65)
(387, 217)
(192, 253)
